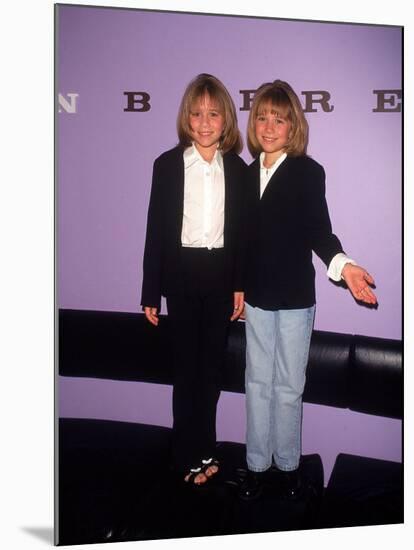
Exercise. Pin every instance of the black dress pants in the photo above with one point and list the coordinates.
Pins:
(199, 318)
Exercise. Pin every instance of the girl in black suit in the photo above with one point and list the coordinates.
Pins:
(193, 258)
(289, 219)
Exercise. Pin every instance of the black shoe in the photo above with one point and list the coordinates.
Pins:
(252, 486)
(291, 484)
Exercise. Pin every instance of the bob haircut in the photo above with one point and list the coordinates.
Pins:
(281, 98)
(206, 84)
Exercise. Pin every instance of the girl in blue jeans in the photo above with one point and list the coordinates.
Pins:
(288, 219)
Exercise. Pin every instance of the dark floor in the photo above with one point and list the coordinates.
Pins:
(115, 484)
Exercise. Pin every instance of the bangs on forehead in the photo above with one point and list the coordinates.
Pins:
(210, 95)
(269, 106)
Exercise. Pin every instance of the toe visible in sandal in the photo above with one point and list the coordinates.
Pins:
(210, 467)
(194, 473)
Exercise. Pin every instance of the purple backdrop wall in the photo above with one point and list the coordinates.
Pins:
(105, 160)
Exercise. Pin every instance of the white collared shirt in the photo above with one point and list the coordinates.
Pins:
(339, 260)
(203, 219)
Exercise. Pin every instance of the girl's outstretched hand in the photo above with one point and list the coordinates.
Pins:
(151, 314)
(238, 305)
(359, 281)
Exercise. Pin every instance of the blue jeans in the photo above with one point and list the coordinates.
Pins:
(276, 358)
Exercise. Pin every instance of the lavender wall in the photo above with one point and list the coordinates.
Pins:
(105, 155)
(105, 160)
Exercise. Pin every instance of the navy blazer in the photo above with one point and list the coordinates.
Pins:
(285, 225)
(162, 273)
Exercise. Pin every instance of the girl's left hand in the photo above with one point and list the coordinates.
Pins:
(358, 281)
(238, 305)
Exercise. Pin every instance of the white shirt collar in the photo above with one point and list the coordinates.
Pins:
(191, 155)
(275, 166)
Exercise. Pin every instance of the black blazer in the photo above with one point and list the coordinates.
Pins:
(162, 259)
(285, 225)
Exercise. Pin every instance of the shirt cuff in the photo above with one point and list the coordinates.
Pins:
(337, 264)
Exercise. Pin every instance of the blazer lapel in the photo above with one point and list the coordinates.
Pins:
(228, 188)
(177, 193)
(256, 178)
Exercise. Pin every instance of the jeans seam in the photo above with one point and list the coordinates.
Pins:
(298, 412)
(272, 400)
(258, 470)
(288, 469)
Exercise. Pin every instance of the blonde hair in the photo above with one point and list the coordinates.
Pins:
(285, 102)
(206, 84)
